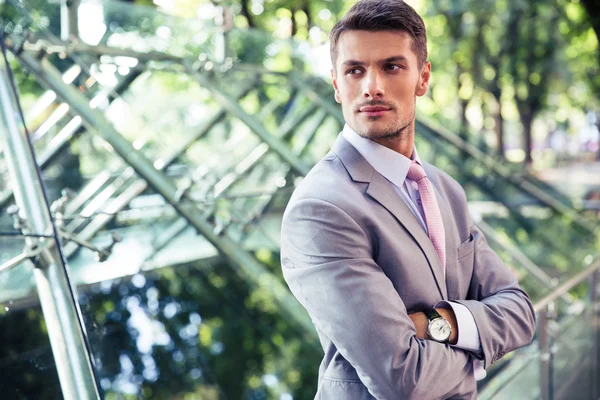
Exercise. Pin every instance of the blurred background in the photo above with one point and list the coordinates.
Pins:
(170, 134)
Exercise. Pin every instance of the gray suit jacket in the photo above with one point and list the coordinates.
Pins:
(358, 260)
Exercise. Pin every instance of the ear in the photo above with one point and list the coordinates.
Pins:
(335, 86)
(423, 83)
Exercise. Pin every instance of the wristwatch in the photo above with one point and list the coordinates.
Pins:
(438, 329)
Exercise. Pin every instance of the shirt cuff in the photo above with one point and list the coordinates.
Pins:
(478, 372)
(468, 334)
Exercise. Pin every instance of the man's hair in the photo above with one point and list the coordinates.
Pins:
(382, 15)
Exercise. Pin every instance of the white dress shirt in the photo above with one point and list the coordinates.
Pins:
(394, 167)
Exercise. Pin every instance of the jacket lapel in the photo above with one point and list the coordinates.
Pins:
(381, 190)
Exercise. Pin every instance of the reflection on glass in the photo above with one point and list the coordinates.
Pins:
(194, 329)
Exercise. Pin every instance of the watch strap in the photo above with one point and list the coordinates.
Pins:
(432, 314)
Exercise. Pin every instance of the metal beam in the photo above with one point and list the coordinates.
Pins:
(285, 171)
(134, 187)
(234, 108)
(179, 225)
(78, 47)
(61, 311)
(68, 132)
(242, 262)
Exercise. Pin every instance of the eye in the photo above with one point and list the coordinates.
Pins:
(353, 71)
(393, 67)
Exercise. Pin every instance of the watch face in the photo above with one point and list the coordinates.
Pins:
(439, 329)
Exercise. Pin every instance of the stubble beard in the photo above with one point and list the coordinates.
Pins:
(397, 130)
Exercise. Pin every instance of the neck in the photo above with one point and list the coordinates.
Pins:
(402, 143)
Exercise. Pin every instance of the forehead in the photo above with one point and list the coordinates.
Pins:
(374, 45)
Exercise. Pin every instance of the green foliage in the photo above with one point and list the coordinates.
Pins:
(233, 341)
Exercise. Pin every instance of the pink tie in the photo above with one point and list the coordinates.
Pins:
(433, 218)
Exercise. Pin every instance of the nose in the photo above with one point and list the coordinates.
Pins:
(373, 86)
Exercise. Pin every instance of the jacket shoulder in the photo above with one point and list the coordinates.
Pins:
(329, 181)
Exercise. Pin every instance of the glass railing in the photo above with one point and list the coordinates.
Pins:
(563, 360)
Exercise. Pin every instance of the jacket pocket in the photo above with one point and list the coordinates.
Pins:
(467, 247)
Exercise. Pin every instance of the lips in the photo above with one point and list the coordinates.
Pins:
(374, 111)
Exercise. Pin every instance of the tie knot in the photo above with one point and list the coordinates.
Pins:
(416, 172)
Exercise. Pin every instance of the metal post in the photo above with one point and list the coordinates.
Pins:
(61, 312)
(546, 380)
(594, 280)
(69, 21)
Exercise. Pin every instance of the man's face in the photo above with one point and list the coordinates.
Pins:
(376, 79)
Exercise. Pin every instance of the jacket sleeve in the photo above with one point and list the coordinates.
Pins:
(502, 310)
(328, 264)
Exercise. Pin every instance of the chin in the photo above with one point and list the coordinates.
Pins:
(379, 132)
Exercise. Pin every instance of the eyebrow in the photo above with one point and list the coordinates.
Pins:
(356, 63)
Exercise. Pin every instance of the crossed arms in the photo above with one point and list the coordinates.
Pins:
(327, 260)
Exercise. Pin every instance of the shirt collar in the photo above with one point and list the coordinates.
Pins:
(389, 163)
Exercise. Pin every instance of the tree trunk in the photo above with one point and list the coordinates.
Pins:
(463, 103)
(306, 9)
(499, 124)
(464, 122)
(294, 23)
(246, 13)
(499, 128)
(527, 122)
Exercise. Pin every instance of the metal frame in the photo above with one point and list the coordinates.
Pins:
(68, 133)
(61, 311)
(135, 186)
(240, 260)
(227, 102)
(232, 175)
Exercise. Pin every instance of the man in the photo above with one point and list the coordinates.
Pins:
(407, 297)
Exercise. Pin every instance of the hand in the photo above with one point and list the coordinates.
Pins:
(421, 322)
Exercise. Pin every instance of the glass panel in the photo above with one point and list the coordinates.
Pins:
(193, 329)
(520, 380)
(574, 358)
(184, 328)
(572, 368)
